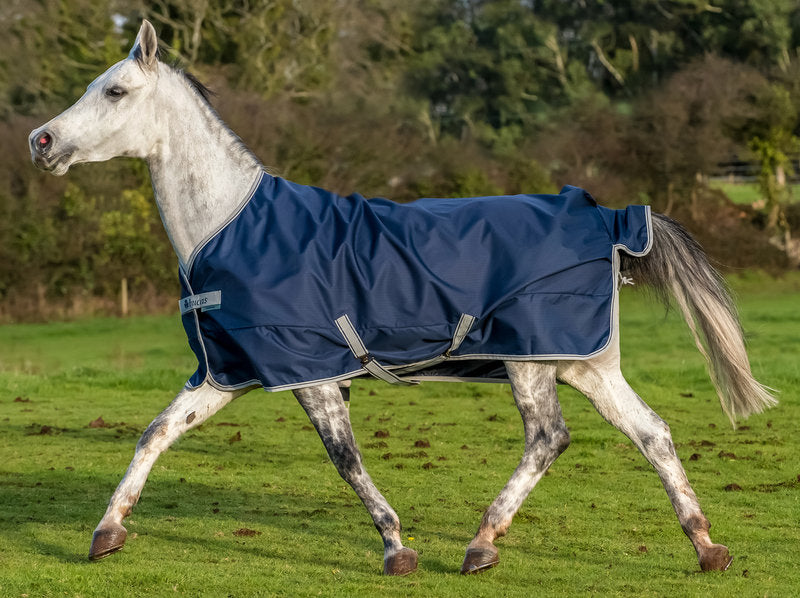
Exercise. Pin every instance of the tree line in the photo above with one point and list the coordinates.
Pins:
(635, 101)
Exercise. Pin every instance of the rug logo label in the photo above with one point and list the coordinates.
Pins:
(203, 302)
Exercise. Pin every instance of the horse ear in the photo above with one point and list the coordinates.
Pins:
(145, 48)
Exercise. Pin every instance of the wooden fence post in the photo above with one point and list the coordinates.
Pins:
(124, 297)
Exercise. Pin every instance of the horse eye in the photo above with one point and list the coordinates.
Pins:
(115, 92)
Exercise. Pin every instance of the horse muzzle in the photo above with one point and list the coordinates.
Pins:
(46, 155)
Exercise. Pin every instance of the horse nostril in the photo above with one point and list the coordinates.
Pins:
(43, 142)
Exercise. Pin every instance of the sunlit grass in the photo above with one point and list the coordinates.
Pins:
(748, 193)
(600, 522)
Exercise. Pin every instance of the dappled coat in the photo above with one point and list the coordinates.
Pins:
(303, 285)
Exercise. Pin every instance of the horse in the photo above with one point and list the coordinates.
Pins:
(201, 171)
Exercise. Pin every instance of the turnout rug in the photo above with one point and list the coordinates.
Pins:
(303, 286)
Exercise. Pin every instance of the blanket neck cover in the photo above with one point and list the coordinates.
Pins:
(304, 286)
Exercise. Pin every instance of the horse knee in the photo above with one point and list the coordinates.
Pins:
(562, 439)
(550, 442)
(656, 437)
(345, 456)
(157, 430)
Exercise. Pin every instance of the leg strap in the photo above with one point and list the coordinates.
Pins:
(360, 351)
(465, 323)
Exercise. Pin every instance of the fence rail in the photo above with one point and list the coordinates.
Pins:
(744, 171)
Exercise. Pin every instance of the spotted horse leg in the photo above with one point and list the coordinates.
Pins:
(328, 413)
(546, 437)
(188, 410)
(601, 380)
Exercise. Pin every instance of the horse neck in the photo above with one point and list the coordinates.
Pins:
(201, 171)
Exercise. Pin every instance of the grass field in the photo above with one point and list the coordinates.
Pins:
(598, 523)
(748, 193)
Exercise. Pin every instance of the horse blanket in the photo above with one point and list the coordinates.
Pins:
(303, 286)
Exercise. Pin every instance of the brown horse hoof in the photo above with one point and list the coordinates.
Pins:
(401, 562)
(106, 541)
(479, 559)
(715, 558)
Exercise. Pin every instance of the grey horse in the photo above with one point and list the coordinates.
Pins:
(200, 171)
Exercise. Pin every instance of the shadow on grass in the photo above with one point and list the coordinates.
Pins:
(33, 505)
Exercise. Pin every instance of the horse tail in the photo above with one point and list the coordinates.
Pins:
(677, 266)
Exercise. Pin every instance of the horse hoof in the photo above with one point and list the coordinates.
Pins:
(106, 541)
(480, 559)
(401, 562)
(715, 558)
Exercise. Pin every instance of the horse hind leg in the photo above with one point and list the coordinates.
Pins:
(188, 410)
(603, 383)
(546, 437)
(327, 411)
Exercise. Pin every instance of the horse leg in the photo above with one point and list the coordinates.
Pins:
(328, 413)
(188, 410)
(601, 380)
(546, 437)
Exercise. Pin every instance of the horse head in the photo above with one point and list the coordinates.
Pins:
(111, 119)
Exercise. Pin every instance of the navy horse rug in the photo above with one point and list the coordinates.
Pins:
(303, 286)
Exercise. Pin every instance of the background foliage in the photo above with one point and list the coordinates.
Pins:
(638, 102)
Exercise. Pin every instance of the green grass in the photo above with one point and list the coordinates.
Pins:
(598, 523)
(748, 193)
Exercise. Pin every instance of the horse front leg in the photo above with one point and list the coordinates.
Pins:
(546, 437)
(188, 410)
(327, 411)
(603, 383)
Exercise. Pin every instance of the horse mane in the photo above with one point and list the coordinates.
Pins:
(203, 91)
(205, 94)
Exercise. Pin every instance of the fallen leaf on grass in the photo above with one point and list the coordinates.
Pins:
(235, 438)
(382, 434)
(101, 423)
(379, 444)
(42, 430)
(21, 400)
(422, 444)
(732, 487)
(243, 531)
